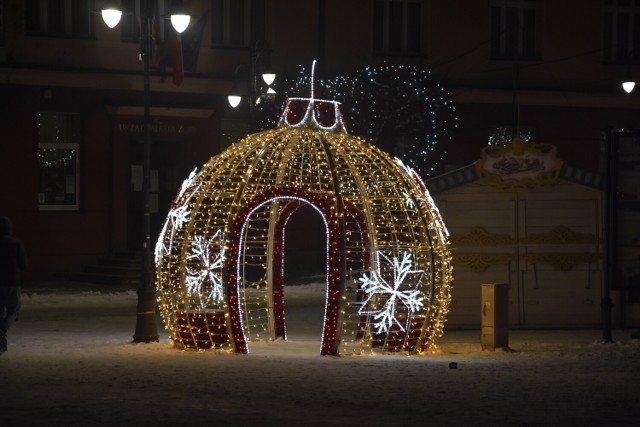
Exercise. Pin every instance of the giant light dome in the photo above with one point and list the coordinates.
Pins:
(220, 256)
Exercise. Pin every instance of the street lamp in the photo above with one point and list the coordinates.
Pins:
(235, 97)
(268, 77)
(111, 14)
(180, 21)
(146, 329)
(628, 86)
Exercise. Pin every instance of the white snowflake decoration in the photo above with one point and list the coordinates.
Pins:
(204, 278)
(408, 200)
(440, 227)
(407, 197)
(430, 203)
(403, 166)
(177, 217)
(374, 284)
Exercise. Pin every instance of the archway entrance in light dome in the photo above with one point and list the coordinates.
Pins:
(246, 300)
(275, 258)
(219, 257)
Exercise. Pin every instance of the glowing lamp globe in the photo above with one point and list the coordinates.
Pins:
(628, 86)
(180, 22)
(111, 17)
(269, 78)
(220, 256)
(234, 100)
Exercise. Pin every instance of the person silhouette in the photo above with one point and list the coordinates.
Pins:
(13, 260)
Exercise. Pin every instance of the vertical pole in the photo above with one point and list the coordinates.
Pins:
(611, 152)
(253, 87)
(322, 32)
(146, 329)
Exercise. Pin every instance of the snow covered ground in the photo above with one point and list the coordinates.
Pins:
(71, 362)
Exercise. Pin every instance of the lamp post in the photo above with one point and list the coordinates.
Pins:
(268, 77)
(611, 231)
(146, 329)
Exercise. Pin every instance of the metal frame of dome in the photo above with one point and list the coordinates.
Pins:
(220, 255)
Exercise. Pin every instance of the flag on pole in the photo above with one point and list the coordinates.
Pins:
(178, 67)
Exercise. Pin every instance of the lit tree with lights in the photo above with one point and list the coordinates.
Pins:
(398, 108)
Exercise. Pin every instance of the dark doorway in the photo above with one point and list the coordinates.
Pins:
(305, 262)
(305, 247)
(167, 174)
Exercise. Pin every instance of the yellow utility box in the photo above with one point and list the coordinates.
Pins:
(495, 316)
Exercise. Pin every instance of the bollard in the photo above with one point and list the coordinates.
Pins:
(494, 316)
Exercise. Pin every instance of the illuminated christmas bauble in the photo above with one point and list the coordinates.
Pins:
(220, 255)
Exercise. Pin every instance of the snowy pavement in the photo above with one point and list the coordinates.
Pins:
(71, 362)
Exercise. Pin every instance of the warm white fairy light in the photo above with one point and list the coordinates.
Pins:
(219, 259)
(441, 228)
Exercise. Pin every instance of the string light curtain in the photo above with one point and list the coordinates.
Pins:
(220, 255)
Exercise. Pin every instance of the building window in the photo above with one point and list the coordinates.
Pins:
(513, 29)
(59, 17)
(58, 157)
(237, 23)
(396, 26)
(621, 31)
